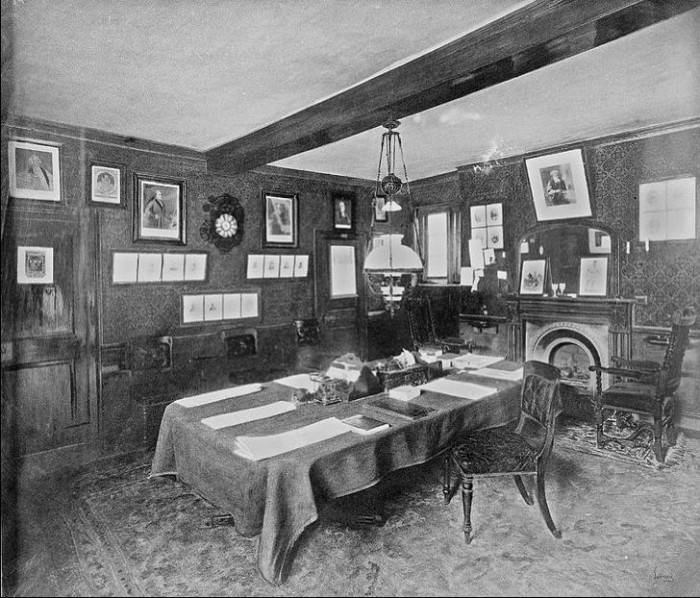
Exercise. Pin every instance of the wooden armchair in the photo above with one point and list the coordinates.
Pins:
(422, 327)
(516, 450)
(646, 388)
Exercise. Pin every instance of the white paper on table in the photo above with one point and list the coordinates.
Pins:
(226, 420)
(513, 375)
(469, 360)
(456, 388)
(218, 395)
(263, 447)
(299, 381)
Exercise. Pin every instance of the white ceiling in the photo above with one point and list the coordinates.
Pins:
(199, 73)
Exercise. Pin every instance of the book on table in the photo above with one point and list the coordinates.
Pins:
(398, 407)
(363, 424)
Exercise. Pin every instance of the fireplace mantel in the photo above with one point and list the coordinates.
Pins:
(614, 313)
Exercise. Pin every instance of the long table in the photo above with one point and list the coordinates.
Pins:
(279, 497)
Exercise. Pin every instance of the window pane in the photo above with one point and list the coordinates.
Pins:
(436, 258)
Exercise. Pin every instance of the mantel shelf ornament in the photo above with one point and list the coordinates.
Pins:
(224, 227)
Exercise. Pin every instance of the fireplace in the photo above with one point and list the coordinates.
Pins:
(572, 334)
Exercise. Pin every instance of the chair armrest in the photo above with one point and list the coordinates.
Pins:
(624, 373)
(636, 364)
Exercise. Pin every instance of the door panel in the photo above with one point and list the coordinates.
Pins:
(343, 318)
(49, 374)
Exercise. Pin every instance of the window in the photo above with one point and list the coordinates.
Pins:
(438, 232)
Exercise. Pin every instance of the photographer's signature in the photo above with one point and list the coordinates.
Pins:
(666, 578)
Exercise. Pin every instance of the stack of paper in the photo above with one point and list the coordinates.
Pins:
(263, 447)
(405, 393)
(218, 395)
(469, 360)
(499, 374)
(243, 416)
(456, 388)
(299, 381)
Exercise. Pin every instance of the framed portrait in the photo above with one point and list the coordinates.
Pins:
(558, 185)
(286, 266)
(532, 275)
(344, 213)
(271, 266)
(106, 186)
(301, 266)
(281, 222)
(35, 265)
(159, 209)
(593, 276)
(380, 214)
(34, 170)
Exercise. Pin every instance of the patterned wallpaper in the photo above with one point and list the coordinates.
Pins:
(668, 275)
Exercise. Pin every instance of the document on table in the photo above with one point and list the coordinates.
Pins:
(500, 374)
(456, 388)
(469, 360)
(243, 416)
(299, 381)
(263, 447)
(218, 395)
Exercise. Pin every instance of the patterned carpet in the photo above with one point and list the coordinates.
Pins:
(134, 536)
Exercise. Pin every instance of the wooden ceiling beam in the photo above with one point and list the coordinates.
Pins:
(536, 35)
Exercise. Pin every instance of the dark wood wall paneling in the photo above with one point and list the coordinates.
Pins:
(131, 401)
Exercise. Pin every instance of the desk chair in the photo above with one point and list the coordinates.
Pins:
(516, 449)
(421, 324)
(645, 388)
(311, 355)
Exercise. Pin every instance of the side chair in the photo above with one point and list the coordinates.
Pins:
(646, 388)
(519, 448)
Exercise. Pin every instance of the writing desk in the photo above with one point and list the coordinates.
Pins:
(280, 496)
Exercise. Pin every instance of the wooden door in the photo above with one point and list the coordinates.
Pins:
(340, 292)
(48, 331)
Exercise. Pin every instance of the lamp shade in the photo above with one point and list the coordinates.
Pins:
(391, 256)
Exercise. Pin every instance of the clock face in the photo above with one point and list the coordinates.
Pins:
(226, 226)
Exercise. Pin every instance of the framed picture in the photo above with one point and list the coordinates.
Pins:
(667, 209)
(343, 213)
(281, 222)
(34, 170)
(35, 265)
(558, 185)
(255, 266)
(287, 266)
(301, 266)
(532, 275)
(593, 276)
(380, 214)
(271, 266)
(106, 186)
(196, 266)
(159, 209)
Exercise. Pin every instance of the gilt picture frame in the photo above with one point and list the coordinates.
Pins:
(559, 186)
(281, 221)
(159, 209)
(34, 170)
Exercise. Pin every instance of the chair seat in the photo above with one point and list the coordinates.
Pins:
(492, 451)
(630, 396)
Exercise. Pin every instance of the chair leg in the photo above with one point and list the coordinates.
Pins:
(447, 479)
(671, 433)
(544, 508)
(467, 492)
(658, 433)
(523, 491)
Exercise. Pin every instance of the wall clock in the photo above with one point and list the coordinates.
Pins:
(224, 227)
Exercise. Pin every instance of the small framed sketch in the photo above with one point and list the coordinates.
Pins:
(593, 276)
(558, 185)
(34, 170)
(35, 265)
(196, 266)
(343, 213)
(255, 266)
(301, 266)
(286, 266)
(271, 266)
(106, 186)
(159, 209)
(532, 275)
(280, 225)
(380, 214)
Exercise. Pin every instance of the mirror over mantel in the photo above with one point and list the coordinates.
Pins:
(574, 253)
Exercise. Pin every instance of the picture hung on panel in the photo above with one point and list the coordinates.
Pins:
(280, 223)
(106, 186)
(343, 213)
(34, 171)
(159, 209)
(558, 185)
